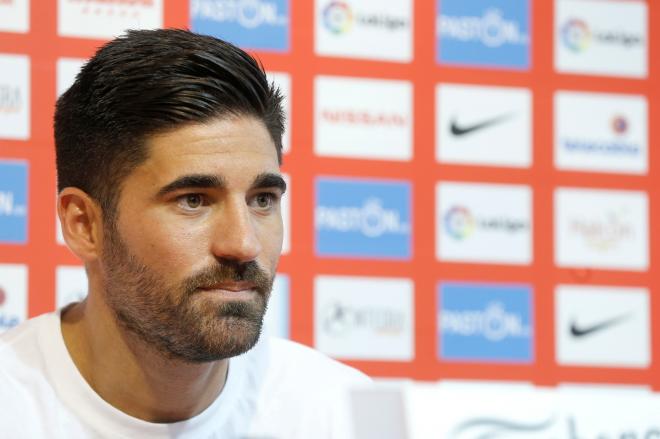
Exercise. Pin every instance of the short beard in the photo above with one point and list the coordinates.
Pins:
(169, 319)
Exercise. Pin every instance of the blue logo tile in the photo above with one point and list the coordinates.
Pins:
(362, 218)
(485, 322)
(250, 24)
(13, 202)
(486, 33)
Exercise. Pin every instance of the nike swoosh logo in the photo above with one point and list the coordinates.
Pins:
(577, 331)
(458, 130)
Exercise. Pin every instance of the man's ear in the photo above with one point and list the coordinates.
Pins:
(82, 223)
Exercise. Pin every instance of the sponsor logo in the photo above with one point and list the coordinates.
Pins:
(370, 219)
(492, 427)
(10, 99)
(338, 17)
(581, 331)
(366, 318)
(14, 97)
(351, 117)
(479, 125)
(363, 118)
(13, 295)
(479, 33)
(364, 29)
(340, 320)
(601, 229)
(13, 202)
(576, 35)
(459, 130)
(603, 234)
(14, 16)
(107, 18)
(485, 322)
(255, 24)
(483, 223)
(602, 326)
(613, 138)
(460, 223)
(606, 38)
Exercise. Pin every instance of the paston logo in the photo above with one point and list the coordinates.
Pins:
(601, 132)
(601, 229)
(367, 318)
(364, 29)
(485, 322)
(483, 223)
(480, 125)
(602, 326)
(107, 18)
(606, 38)
(363, 118)
(254, 24)
(363, 218)
(483, 32)
(13, 295)
(13, 202)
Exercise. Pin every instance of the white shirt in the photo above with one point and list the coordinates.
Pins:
(277, 390)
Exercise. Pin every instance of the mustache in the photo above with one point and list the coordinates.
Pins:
(230, 271)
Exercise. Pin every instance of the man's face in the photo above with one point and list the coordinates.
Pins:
(189, 263)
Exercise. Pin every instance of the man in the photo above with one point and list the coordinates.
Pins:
(168, 151)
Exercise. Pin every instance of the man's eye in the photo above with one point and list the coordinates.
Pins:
(191, 201)
(265, 200)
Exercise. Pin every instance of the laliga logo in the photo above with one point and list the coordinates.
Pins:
(576, 35)
(459, 222)
(338, 17)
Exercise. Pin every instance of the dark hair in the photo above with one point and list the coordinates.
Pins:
(149, 81)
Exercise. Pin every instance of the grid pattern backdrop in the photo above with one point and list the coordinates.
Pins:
(473, 186)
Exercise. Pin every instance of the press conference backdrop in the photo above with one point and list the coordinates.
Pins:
(472, 183)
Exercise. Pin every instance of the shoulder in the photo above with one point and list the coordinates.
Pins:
(307, 364)
(20, 345)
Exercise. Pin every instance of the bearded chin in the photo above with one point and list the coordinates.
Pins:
(182, 322)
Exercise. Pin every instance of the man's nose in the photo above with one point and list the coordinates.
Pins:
(235, 234)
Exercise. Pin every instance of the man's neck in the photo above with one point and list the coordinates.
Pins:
(132, 376)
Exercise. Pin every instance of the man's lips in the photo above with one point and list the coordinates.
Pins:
(234, 287)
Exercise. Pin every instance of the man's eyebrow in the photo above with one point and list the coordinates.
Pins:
(267, 180)
(192, 181)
